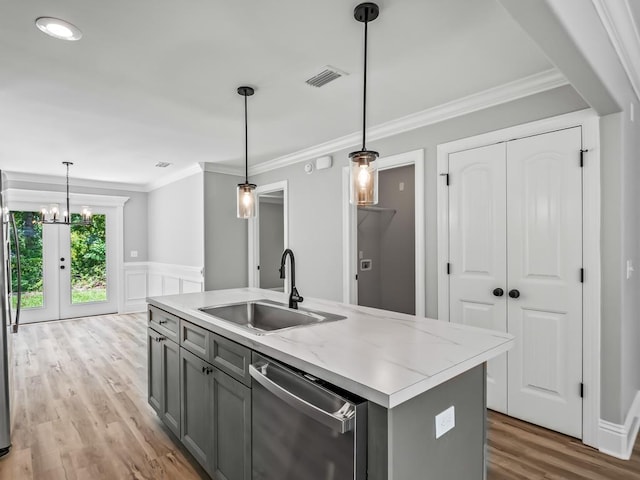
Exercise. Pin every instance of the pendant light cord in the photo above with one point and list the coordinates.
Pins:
(364, 89)
(246, 143)
(68, 207)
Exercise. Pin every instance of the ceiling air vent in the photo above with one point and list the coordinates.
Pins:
(162, 164)
(328, 74)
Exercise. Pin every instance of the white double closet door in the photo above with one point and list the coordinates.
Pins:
(515, 213)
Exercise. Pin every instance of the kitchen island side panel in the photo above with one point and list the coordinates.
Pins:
(402, 440)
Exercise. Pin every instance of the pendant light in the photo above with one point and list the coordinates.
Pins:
(246, 190)
(51, 215)
(363, 163)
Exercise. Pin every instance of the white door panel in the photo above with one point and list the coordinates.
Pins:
(477, 221)
(544, 258)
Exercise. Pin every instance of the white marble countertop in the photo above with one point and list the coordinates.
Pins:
(385, 357)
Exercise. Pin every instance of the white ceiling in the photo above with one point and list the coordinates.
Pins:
(155, 80)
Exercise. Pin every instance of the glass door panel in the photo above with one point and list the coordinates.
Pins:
(89, 261)
(31, 262)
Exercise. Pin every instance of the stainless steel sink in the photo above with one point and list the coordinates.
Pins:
(262, 317)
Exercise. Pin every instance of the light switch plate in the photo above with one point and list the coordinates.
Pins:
(630, 269)
(445, 421)
(134, 254)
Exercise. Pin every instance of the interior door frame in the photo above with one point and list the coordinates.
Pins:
(350, 229)
(32, 200)
(588, 120)
(254, 231)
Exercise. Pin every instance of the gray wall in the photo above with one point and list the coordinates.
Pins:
(370, 281)
(315, 201)
(397, 260)
(225, 235)
(271, 242)
(135, 213)
(176, 232)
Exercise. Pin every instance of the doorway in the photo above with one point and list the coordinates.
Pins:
(268, 237)
(383, 214)
(66, 271)
(386, 244)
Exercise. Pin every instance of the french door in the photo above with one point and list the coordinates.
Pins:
(67, 271)
(515, 229)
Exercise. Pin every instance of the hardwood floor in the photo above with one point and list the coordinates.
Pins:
(80, 409)
(81, 412)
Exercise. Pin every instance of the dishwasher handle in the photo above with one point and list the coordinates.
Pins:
(341, 421)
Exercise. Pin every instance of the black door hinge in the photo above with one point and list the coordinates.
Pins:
(582, 152)
(258, 267)
(446, 178)
(356, 276)
(448, 269)
(582, 275)
(581, 390)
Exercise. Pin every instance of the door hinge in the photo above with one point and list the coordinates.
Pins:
(582, 152)
(582, 275)
(446, 178)
(258, 267)
(581, 390)
(448, 268)
(356, 277)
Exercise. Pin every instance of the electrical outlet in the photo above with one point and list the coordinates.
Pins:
(134, 254)
(630, 269)
(445, 421)
(401, 186)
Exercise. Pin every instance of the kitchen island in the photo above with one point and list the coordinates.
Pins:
(408, 369)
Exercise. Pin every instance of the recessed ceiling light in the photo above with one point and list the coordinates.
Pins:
(58, 28)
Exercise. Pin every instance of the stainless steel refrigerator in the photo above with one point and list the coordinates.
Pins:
(8, 323)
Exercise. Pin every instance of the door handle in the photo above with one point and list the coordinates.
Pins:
(341, 421)
(62, 267)
(514, 293)
(498, 292)
(62, 259)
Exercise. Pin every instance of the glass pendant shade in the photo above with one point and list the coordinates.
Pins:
(246, 200)
(363, 188)
(51, 214)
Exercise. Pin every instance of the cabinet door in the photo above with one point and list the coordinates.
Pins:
(171, 385)
(197, 408)
(154, 370)
(231, 428)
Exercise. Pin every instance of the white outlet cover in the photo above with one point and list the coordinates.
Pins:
(630, 269)
(445, 421)
(134, 254)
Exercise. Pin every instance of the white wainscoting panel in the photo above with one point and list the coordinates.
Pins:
(152, 279)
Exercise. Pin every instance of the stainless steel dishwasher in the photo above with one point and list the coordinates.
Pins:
(303, 428)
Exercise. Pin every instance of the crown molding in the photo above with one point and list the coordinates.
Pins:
(73, 182)
(178, 175)
(222, 168)
(508, 92)
(617, 18)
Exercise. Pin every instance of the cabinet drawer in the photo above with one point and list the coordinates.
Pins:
(164, 322)
(231, 358)
(196, 339)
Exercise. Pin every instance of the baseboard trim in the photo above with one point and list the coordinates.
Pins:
(618, 440)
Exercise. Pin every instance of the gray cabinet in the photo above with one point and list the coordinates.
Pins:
(170, 405)
(231, 428)
(200, 388)
(197, 407)
(164, 378)
(216, 419)
(154, 370)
